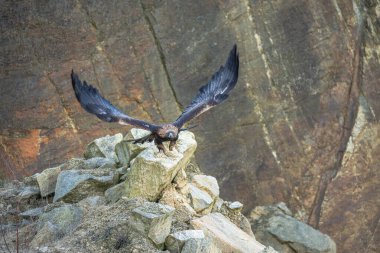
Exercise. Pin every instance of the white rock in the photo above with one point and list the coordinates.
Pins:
(104, 147)
(151, 171)
(75, 185)
(47, 180)
(207, 183)
(175, 242)
(226, 235)
(153, 220)
(126, 150)
(299, 236)
(200, 199)
(236, 205)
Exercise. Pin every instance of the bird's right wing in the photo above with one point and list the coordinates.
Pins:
(91, 100)
(215, 91)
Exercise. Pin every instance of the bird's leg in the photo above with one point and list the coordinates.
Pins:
(172, 144)
(160, 146)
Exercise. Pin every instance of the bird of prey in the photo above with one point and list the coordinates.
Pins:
(214, 92)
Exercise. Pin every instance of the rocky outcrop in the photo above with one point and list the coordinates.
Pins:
(274, 225)
(151, 208)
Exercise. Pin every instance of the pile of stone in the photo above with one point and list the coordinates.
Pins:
(126, 197)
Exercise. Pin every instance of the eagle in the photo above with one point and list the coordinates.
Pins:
(214, 92)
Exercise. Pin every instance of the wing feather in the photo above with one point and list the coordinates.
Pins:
(215, 91)
(93, 102)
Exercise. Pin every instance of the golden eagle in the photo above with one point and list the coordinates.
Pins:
(214, 92)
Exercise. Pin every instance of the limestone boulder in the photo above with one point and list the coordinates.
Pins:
(176, 241)
(104, 147)
(226, 235)
(207, 183)
(74, 185)
(201, 200)
(235, 206)
(232, 210)
(126, 150)
(153, 220)
(47, 180)
(275, 226)
(87, 164)
(150, 172)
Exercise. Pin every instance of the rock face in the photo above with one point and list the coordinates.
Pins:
(304, 112)
(275, 226)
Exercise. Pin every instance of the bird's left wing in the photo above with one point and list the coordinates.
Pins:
(91, 100)
(215, 91)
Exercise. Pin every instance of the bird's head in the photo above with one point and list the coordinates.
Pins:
(168, 132)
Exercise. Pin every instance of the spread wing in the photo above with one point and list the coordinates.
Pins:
(91, 100)
(215, 91)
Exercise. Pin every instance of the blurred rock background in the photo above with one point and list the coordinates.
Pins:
(300, 127)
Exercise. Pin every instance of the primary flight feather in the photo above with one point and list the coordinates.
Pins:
(214, 92)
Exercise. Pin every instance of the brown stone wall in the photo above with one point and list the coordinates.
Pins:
(301, 126)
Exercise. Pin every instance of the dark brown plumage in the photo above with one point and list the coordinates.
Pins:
(209, 95)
